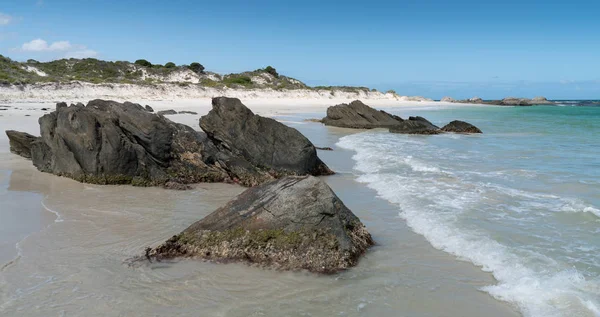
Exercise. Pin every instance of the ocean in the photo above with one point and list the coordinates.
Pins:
(521, 201)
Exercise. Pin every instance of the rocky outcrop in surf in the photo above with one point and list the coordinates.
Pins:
(107, 142)
(294, 223)
(458, 126)
(357, 115)
(508, 101)
(416, 125)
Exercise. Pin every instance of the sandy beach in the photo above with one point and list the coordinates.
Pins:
(66, 244)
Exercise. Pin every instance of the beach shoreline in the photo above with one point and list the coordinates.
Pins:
(402, 273)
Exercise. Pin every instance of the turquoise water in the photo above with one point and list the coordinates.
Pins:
(521, 200)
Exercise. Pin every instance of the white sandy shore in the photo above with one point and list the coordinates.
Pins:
(172, 91)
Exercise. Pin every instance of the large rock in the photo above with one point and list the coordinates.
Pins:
(512, 101)
(416, 125)
(107, 142)
(264, 142)
(293, 223)
(460, 127)
(357, 115)
(20, 143)
(509, 101)
(448, 99)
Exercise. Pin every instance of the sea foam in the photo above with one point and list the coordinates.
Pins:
(445, 210)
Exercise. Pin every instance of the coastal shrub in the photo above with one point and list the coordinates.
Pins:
(391, 91)
(208, 83)
(196, 67)
(170, 65)
(271, 70)
(237, 79)
(143, 62)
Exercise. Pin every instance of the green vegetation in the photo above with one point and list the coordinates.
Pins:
(236, 79)
(143, 62)
(143, 72)
(197, 68)
(391, 91)
(272, 71)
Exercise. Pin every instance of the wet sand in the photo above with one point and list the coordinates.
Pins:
(65, 248)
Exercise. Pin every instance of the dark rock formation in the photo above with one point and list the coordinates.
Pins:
(357, 115)
(148, 108)
(324, 148)
(293, 223)
(460, 127)
(187, 112)
(61, 105)
(20, 143)
(264, 142)
(167, 112)
(508, 101)
(416, 125)
(107, 142)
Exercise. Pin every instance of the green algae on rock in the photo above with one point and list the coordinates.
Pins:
(294, 223)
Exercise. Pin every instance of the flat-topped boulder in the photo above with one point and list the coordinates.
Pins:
(357, 115)
(107, 142)
(458, 126)
(264, 142)
(416, 125)
(294, 223)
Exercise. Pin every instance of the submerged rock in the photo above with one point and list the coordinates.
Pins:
(460, 127)
(416, 125)
(20, 143)
(293, 223)
(357, 115)
(107, 142)
(264, 142)
(167, 112)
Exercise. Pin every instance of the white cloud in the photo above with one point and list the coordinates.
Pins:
(5, 19)
(82, 54)
(66, 49)
(39, 45)
(60, 46)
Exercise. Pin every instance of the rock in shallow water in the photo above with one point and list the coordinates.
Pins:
(293, 223)
(107, 142)
(416, 125)
(357, 115)
(262, 141)
(20, 143)
(460, 127)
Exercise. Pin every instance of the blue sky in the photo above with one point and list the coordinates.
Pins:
(458, 48)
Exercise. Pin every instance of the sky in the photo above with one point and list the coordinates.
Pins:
(460, 48)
